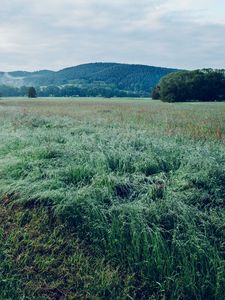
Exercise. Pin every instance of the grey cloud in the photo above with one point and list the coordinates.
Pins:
(55, 34)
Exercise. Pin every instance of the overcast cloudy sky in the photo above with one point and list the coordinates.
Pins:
(53, 34)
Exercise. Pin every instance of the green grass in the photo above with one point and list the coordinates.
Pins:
(112, 199)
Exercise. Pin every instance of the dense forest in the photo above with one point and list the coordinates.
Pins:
(198, 85)
(87, 90)
(95, 79)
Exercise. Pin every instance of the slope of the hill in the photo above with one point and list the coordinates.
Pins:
(124, 77)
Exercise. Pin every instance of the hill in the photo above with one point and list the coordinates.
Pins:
(137, 80)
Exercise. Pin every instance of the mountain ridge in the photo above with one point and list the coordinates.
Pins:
(85, 64)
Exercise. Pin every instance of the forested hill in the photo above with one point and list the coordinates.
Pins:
(123, 76)
(137, 79)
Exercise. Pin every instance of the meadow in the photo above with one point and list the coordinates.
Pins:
(111, 199)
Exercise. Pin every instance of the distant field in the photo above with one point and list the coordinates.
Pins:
(111, 199)
(196, 120)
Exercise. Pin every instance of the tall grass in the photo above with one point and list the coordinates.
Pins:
(150, 203)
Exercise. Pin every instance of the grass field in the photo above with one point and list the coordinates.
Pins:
(112, 199)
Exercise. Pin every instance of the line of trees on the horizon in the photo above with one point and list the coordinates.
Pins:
(198, 85)
(180, 86)
(69, 91)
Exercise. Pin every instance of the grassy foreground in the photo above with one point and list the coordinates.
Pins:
(112, 199)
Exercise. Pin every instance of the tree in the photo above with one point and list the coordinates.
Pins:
(155, 94)
(32, 92)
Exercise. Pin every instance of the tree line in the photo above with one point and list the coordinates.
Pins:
(70, 91)
(198, 85)
(180, 86)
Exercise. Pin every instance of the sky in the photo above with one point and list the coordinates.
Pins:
(54, 34)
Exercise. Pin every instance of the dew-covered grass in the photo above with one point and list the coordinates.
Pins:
(134, 188)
